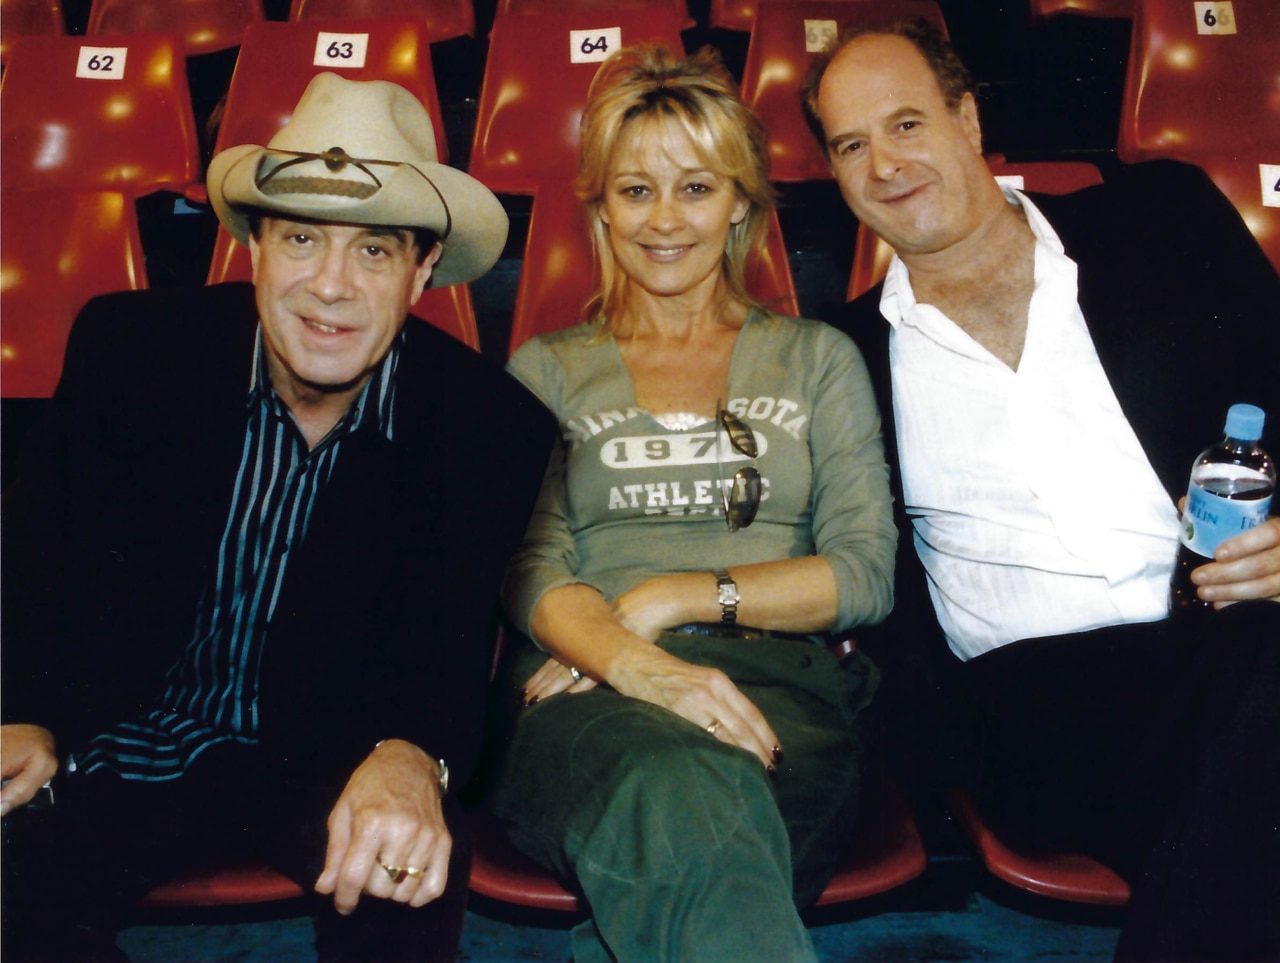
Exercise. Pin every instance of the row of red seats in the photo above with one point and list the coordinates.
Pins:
(62, 247)
(1197, 78)
(206, 26)
(1199, 88)
(218, 24)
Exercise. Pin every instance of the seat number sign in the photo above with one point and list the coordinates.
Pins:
(343, 51)
(101, 63)
(1270, 184)
(819, 33)
(1216, 17)
(592, 46)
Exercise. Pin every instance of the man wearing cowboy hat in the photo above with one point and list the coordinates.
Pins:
(251, 556)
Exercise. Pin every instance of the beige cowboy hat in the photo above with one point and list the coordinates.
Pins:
(362, 153)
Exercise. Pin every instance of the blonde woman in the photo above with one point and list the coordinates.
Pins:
(688, 754)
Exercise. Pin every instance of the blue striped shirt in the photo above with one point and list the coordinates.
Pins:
(211, 692)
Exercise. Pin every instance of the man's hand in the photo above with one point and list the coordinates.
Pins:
(27, 762)
(1246, 566)
(389, 815)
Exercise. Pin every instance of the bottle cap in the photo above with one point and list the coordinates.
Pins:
(1244, 422)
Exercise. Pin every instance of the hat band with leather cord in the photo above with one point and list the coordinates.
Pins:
(336, 160)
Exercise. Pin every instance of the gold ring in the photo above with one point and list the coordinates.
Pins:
(577, 676)
(399, 874)
(713, 726)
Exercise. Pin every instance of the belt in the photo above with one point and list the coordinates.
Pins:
(734, 631)
(840, 648)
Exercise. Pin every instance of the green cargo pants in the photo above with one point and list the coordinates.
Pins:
(684, 847)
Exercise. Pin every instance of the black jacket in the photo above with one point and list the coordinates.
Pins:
(384, 625)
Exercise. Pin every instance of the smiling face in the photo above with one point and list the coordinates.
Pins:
(331, 299)
(668, 216)
(909, 166)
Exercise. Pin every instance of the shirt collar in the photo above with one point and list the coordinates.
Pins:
(374, 405)
(897, 299)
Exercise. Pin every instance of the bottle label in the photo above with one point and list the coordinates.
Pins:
(1211, 519)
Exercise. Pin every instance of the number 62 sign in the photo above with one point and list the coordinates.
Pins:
(101, 63)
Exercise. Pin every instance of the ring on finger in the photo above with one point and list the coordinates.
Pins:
(713, 726)
(399, 874)
(577, 676)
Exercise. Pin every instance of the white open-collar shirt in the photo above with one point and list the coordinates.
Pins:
(1035, 509)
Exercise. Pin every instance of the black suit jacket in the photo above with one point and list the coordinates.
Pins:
(383, 628)
(1184, 311)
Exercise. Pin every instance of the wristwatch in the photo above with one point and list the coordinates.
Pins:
(443, 766)
(444, 777)
(728, 597)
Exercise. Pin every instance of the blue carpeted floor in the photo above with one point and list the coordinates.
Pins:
(926, 923)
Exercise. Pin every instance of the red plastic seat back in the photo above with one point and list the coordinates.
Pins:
(443, 19)
(681, 7)
(1253, 187)
(1067, 876)
(278, 60)
(871, 255)
(741, 14)
(27, 18)
(449, 309)
(535, 87)
(1119, 9)
(786, 38)
(559, 274)
(203, 25)
(58, 249)
(101, 114)
(1201, 79)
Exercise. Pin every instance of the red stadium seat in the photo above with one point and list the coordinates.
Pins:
(681, 7)
(59, 249)
(101, 115)
(25, 18)
(871, 256)
(1118, 9)
(278, 60)
(232, 886)
(445, 19)
(741, 14)
(449, 309)
(559, 275)
(1066, 876)
(886, 853)
(535, 86)
(1253, 187)
(1201, 83)
(784, 41)
(203, 25)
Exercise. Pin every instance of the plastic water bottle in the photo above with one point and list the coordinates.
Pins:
(1230, 492)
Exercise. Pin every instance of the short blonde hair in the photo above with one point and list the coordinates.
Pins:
(698, 93)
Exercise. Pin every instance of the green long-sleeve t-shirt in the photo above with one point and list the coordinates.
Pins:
(626, 498)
